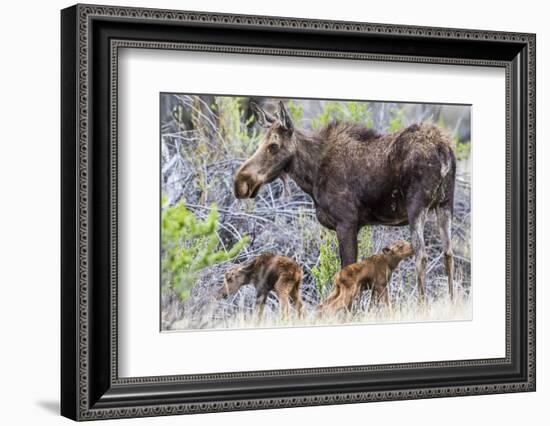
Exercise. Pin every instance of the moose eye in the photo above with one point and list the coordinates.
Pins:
(273, 148)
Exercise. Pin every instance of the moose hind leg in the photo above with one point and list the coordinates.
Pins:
(444, 219)
(417, 223)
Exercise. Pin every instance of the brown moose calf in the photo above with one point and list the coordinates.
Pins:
(373, 273)
(267, 272)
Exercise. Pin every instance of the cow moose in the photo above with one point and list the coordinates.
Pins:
(267, 272)
(357, 176)
(374, 273)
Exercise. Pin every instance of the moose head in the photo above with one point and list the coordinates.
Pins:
(235, 278)
(273, 155)
(397, 251)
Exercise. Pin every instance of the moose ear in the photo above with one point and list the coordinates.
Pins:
(284, 117)
(386, 250)
(263, 118)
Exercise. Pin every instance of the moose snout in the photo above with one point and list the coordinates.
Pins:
(246, 184)
(222, 291)
(240, 187)
(403, 249)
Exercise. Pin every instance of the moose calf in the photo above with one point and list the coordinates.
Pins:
(373, 273)
(267, 272)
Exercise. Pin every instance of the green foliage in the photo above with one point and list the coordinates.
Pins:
(329, 260)
(396, 120)
(354, 112)
(189, 245)
(296, 111)
(359, 112)
(233, 128)
(364, 242)
(462, 149)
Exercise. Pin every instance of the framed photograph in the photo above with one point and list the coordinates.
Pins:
(263, 212)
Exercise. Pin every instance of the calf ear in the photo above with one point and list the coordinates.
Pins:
(263, 118)
(247, 267)
(284, 117)
(386, 250)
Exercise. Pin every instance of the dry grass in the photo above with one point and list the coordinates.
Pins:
(439, 310)
(239, 313)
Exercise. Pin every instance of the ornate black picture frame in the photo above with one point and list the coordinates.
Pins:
(90, 385)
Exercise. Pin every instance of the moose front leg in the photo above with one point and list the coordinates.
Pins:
(347, 242)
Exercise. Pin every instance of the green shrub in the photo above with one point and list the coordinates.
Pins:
(396, 120)
(233, 125)
(296, 111)
(189, 245)
(329, 262)
(359, 112)
(364, 242)
(462, 149)
(354, 112)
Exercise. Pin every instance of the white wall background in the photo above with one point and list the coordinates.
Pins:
(29, 211)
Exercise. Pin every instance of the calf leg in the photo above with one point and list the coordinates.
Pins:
(382, 293)
(333, 294)
(282, 288)
(444, 219)
(347, 242)
(371, 302)
(323, 307)
(296, 295)
(343, 300)
(260, 304)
